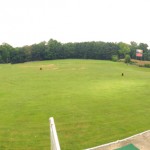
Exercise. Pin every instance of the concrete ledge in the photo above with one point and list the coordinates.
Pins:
(141, 141)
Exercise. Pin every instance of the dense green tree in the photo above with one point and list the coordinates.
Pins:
(148, 55)
(54, 50)
(38, 51)
(68, 50)
(133, 48)
(1, 60)
(5, 50)
(15, 56)
(127, 59)
(144, 47)
(124, 49)
(84, 50)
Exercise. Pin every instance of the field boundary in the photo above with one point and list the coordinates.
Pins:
(118, 141)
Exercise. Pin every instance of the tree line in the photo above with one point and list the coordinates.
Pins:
(83, 50)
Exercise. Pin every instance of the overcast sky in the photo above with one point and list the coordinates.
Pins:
(25, 22)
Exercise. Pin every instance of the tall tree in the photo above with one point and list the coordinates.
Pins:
(144, 47)
(124, 48)
(54, 50)
(133, 47)
(5, 50)
(38, 51)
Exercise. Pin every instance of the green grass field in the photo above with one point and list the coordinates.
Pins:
(91, 103)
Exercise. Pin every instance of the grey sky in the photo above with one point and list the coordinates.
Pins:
(25, 22)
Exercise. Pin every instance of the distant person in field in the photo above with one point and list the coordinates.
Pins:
(122, 74)
(40, 68)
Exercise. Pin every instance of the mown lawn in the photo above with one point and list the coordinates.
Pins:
(91, 103)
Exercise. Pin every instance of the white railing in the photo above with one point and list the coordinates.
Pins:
(53, 135)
